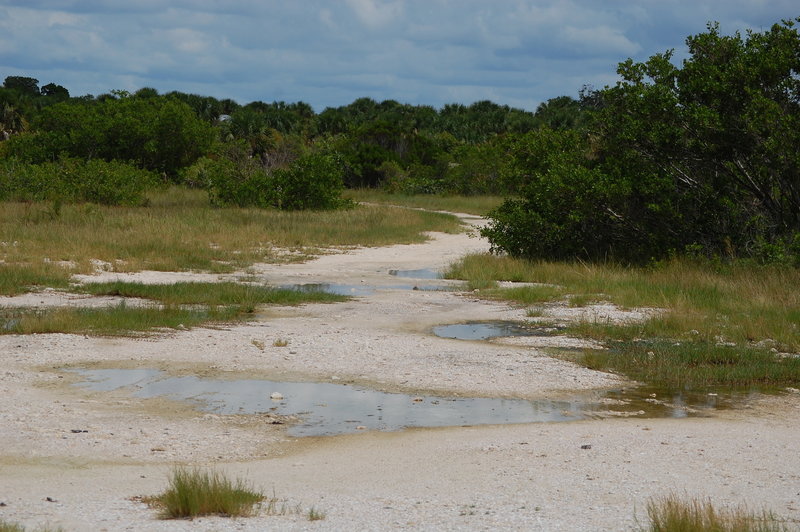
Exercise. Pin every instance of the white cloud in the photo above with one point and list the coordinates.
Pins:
(376, 13)
(599, 40)
(518, 52)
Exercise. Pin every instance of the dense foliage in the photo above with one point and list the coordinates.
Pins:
(265, 154)
(703, 158)
(70, 180)
(700, 157)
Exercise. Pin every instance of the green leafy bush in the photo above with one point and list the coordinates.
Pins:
(312, 181)
(158, 133)
(702, 157)
(72, 181)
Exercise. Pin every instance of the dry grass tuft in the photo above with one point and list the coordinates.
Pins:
(673, 514)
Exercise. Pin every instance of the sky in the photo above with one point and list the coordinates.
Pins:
(330, 52)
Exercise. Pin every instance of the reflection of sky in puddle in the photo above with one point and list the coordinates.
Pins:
(424, 273)
(328, 409)
(357, 290)
(485, 330)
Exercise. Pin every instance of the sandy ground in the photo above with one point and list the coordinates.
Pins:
(78, 459)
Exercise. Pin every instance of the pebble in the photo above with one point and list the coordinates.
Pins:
(276, 396)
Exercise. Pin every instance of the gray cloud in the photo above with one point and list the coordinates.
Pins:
(517, 52)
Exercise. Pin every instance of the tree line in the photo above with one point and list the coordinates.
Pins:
(700, 157)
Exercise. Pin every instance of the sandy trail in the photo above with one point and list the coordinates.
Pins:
(523, 477)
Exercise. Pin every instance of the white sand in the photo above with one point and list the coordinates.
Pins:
(522, 477)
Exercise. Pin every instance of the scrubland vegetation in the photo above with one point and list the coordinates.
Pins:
(676, 189)
(713, 324)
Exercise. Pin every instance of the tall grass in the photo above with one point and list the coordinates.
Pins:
(716, 326)
(672, 514)
(180, 230)
(478, 205)
(740, 303)
(697, 365)
(18, 278)
(192, 493)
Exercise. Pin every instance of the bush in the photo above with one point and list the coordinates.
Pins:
(313, 181)
(72, 181)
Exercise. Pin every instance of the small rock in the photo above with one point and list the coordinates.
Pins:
(276, 396)
(78, 431)
(50, 499)
(418, 399)
(361, 427)
(587, 446)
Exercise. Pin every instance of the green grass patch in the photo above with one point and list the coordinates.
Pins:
(197, 293)
(120, 320)
(192, 493)
(716, 327)
(695, 366)
(182, 305)
(179, 230)
(478, 205)
(18, 279)
(673, 514)
(740, 303)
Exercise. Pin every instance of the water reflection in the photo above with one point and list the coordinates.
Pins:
(425, 273)
(328, 409)
(489, 329)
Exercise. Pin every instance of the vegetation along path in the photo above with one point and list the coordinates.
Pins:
(80, 458)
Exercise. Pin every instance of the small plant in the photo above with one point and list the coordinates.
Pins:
(193, 493)
(6, 526)
(673, 514)
(258, 343)
(280, 342)
(315, 515)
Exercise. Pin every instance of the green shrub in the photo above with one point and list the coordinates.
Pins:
(72, 181)
(313, 181)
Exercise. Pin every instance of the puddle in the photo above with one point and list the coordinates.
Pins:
(424, 273)
(489, 329)
(331, 288)
(329, 409)
(359, 290)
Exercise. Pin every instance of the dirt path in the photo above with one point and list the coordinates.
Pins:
(90, 452)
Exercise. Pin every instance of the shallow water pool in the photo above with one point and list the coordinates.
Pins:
(331, 408)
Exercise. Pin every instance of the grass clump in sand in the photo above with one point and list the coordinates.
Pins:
(673, 514)
(6, 526)
(193, 493)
